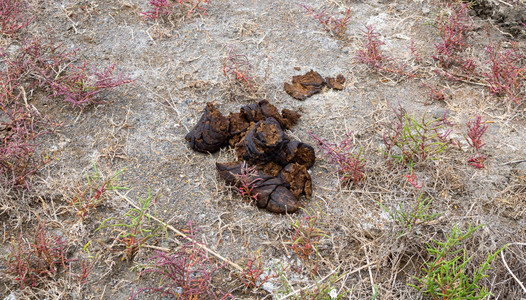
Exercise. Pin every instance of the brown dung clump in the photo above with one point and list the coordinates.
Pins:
(256, 132)
(304, 86)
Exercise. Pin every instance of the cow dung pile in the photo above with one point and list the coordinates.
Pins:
(278, 163)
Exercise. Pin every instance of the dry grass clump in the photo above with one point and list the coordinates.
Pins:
(513, 197)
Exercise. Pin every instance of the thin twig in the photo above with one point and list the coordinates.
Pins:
(510, 5)
(370, 272)
(219, 256)
(103, 291)
(157, 248)
(514, 162)
(24, 96)
(509, 270)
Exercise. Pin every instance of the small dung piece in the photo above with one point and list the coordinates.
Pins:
(271, 192)
(263, 109)
(211, 132)
(229, 172)
(337, 83)
(304, 86)
(282, 201)
(271, 168)
(270, 111)
(260, 184)
(290, 118)
(253, 113)
(263, 142)
(298, 178)
(238, 127)
(264, 190)
(300, 153)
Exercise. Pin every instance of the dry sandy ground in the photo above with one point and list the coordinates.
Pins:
(177, 69)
